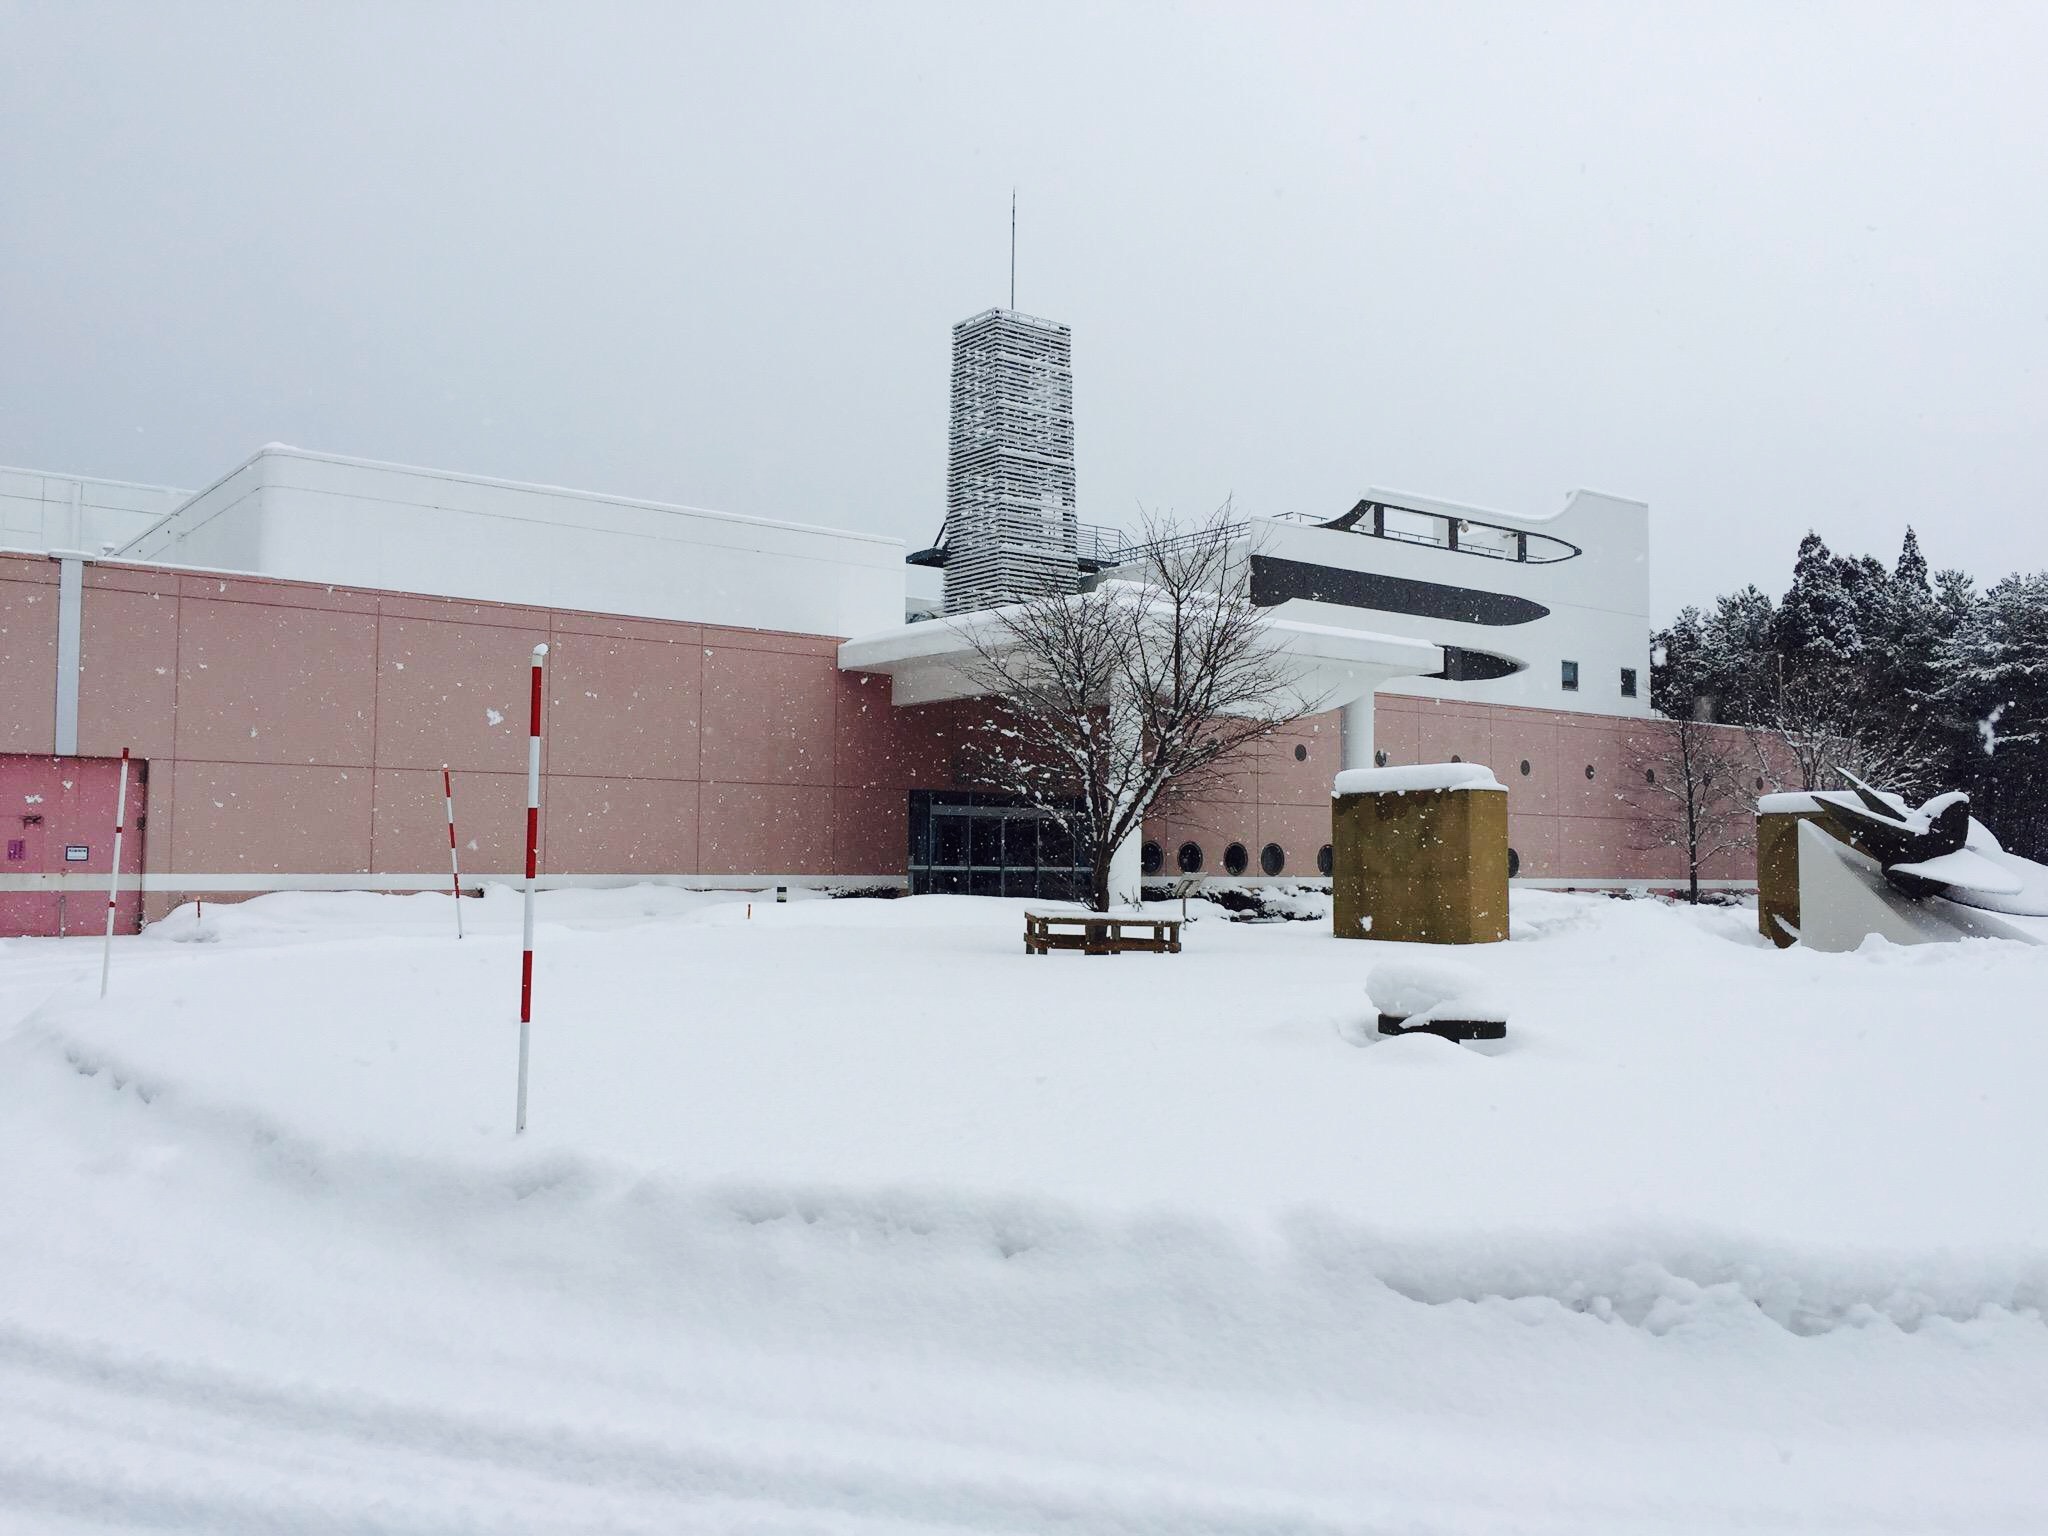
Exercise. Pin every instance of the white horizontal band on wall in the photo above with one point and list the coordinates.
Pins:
(196, 884)
(1667, 883)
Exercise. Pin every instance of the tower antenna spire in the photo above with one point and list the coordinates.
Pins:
(1013, 247)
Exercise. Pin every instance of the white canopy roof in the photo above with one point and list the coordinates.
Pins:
(930, 662)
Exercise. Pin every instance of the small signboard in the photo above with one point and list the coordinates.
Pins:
(17, 848)
(77, 853)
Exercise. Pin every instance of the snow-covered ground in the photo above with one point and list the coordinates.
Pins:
(848, 1216)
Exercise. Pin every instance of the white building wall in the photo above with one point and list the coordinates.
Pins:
(219, 528)
(1598, 601)
(41, 511)
(321, 517)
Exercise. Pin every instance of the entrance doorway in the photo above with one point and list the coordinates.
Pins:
(973, 843)
(56, 841)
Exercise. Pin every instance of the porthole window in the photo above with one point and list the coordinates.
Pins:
(1514, 863)
(1326, 859)
(1272, 858)
(1525, 767)
(1300, 753)
(1189, 858)
(1153, 857)
(1235, 859)
(1759, 784)
(1589, 770)
(1379, 758)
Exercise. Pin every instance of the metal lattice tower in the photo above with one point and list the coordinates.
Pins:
(1010, 518)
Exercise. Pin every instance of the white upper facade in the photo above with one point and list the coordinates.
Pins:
(42, 511)
(1519, 605)
(1524, 606)
(307, 516)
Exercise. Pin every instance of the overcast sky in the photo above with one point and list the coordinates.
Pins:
(1763, 268)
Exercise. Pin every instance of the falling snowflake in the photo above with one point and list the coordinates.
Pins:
(1987, 730)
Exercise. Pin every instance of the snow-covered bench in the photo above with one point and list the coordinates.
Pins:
(1094, 933)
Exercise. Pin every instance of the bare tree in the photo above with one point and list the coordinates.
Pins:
(1107, 702)
(1694, 792)
(1826, 730)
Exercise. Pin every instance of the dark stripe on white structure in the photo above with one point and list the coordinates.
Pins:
(1276, 581)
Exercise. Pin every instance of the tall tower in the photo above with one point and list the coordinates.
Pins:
(1010, 517)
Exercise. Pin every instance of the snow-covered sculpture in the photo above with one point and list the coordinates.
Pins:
(1869, 863)
(1434, 997)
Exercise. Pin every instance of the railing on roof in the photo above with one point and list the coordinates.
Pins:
(1100, 548)
(1452, 531)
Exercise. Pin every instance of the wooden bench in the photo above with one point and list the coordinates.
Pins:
(1096, 933)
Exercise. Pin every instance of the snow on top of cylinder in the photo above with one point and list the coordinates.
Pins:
(1416, 777)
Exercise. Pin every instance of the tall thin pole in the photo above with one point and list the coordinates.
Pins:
(1013, 247)
(114, 878)
(540, 656)
(454, 868)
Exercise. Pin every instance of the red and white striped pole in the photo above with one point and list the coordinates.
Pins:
(540, 657)
(454, 869)
(114, 879)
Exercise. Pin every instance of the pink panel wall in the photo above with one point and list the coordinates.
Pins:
(409, 826)
(128, 663)
(455, 691)
(28, 653)
(264, 682)
(270, 818)
(745, 743)
(300, 729)
(779, 829)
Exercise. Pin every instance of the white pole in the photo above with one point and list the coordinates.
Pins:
(114, 879)
(540, 656)
(454, 868)
(1354, 740)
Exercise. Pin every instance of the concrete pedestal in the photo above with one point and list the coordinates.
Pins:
(1421, 864)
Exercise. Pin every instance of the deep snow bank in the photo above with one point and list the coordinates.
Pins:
(849, 1216)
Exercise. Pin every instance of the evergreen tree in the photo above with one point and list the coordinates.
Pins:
(1993, 698)
(1742, 669)
(1678, 678)
(1911, 571)
(1817, 623)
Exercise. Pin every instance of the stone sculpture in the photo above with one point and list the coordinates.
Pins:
(1867, 863)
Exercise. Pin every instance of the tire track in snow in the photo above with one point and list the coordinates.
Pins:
(332, 1454)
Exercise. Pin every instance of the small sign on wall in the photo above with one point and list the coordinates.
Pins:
(77, 853)
(17, 848)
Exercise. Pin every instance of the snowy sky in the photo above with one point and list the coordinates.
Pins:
(1764, 267)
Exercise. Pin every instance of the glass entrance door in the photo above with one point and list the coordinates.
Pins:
(974, 843)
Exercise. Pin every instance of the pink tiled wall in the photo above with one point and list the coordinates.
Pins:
(300, 729)
(1562, 823)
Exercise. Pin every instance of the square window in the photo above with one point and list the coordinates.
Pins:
(1628, 682)
(1571, 677)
